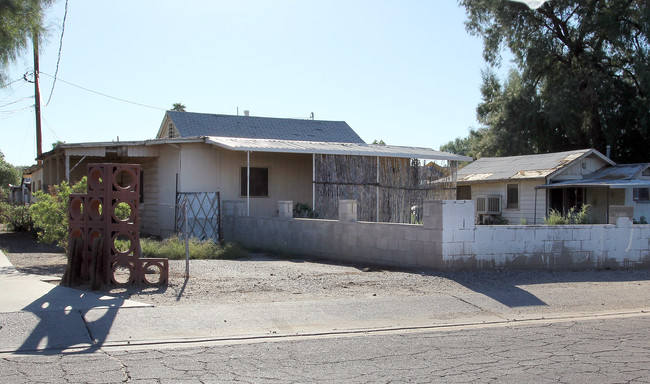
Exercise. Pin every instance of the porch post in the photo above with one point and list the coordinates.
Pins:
(377, 188)
(607, 208)
(58, 169)
(248, 183)
(67, 168)
(313, 182)
(535, 209)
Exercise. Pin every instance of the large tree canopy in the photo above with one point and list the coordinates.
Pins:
(19, 21)
(8, 173)
(582, 77)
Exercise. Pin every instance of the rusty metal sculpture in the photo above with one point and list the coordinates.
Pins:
(104, 240)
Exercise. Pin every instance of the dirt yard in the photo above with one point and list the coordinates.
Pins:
(266, 278)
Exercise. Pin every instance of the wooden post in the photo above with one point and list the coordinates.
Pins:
(37, 98)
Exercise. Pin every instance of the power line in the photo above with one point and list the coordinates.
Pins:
(11, 113)
(17, 101)
(105, 95)
(51, 130)
(58, 60)
(13, 90)
(15, 81)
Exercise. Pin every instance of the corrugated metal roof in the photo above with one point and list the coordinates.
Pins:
(191, 124)
(282, 146)
(518, 167)
(311, 147)
(617, 176)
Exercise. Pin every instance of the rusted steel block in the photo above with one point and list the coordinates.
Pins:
(154, 271)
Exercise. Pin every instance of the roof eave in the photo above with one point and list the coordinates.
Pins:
(382, 151)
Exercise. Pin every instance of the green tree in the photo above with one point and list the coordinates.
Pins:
(20, 20)
(582, 76)
(178, 107)
(8, 175)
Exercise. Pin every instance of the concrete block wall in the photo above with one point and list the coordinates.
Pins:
(545, 246)
(447, 239)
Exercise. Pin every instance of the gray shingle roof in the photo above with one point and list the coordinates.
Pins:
(190, 124)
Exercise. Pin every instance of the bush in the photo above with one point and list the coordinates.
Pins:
(174, 248)
(302, 210)
(50, 212)
(641, 220)
(17, 218)
(572, 217)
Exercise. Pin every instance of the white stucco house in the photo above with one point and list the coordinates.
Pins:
(253, 162)
(524, 189)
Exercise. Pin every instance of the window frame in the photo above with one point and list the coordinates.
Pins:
(255, 184)
(509, 187)
(641, 199)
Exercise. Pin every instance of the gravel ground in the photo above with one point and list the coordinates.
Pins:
(266, 278)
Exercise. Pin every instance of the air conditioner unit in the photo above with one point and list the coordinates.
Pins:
(488, 204)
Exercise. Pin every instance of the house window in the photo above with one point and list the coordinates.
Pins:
(642, 194)
(464, 192)
(513, 196)
(259, 185)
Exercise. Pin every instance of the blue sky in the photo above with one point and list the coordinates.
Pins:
(404, 71)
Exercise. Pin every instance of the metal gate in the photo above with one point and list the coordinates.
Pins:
(203, 215)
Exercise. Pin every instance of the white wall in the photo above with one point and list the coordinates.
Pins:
(166, 171)
(206, 168)
(290, 178)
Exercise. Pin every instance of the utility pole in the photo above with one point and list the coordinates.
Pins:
(37, 98)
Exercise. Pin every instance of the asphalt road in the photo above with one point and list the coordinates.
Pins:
(610, 349)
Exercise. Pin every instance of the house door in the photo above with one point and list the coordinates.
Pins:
(563, 199)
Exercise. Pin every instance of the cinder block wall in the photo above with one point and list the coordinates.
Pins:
(447, 239)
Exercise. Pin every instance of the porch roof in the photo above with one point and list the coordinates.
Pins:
(617, 176)
(266, 145)
(328, 148)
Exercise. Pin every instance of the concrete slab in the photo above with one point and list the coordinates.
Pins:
(22, 292)
(35, 315)
(134, 326)
(30, 332)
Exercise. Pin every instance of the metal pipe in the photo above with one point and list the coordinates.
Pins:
(607, 208)
(535, 210)
(248, 183)
(377, 188)
(67, 168)
(313, 182)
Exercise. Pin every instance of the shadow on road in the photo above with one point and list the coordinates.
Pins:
(508, 286)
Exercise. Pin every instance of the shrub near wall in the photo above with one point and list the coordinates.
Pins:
(50, 212)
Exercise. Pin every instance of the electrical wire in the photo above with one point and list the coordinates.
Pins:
(105, 95)
(58, 60)
(8, 84)
(50, 128)
(11, 113)
(17, 101)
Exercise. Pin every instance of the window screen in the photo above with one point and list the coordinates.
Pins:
(641, 194)
(259, 186)
(513, 196)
